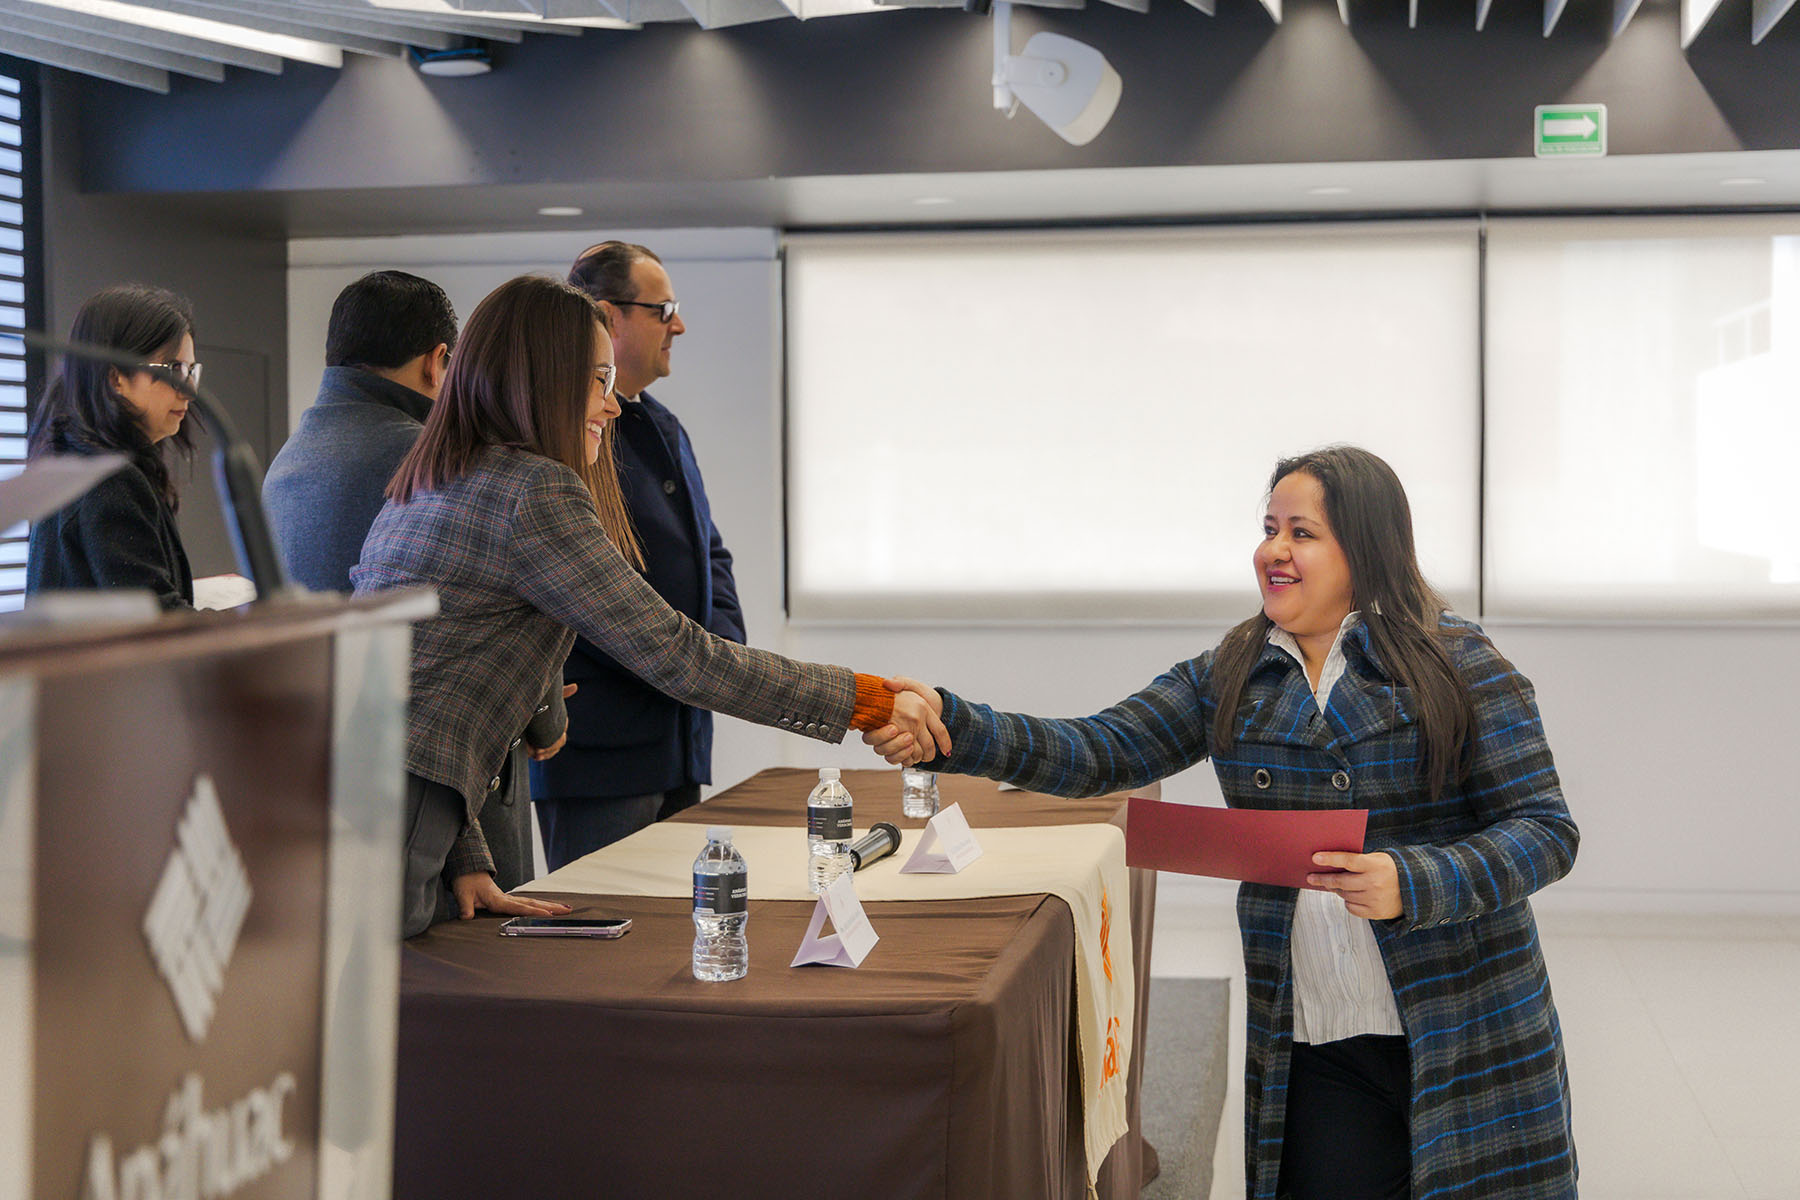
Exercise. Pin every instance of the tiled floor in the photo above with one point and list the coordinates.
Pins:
(1683, 1037)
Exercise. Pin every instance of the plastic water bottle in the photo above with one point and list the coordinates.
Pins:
(721, 909)
(918, 793)
(830, 825)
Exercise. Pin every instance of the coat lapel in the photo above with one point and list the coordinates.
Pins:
(1278, 705)
(1365, 703)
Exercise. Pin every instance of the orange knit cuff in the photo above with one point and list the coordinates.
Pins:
(874, 704)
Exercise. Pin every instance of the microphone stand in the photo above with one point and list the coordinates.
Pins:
(236, 473)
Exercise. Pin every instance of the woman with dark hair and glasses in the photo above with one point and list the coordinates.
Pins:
(121, 533)
(1401, 1039)
(509, 506)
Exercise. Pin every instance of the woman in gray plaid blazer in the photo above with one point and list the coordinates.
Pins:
(1402, 1043)
(508, 506)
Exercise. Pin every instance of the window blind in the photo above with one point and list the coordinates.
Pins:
(17, 303)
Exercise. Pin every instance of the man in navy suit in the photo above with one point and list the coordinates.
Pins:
(634, 756)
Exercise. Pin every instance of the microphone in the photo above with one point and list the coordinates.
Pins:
(235, 469)
(881, 840)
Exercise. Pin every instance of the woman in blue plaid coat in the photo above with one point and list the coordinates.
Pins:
(1402, 1042)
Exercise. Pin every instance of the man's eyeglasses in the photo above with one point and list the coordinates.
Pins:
(188, 373)
(665, 309)
(605, 375)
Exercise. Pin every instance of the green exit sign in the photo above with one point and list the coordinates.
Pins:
(1569, 130)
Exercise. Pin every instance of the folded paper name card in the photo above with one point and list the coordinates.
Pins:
(1250, 844)
(854, 938)
(946, 847)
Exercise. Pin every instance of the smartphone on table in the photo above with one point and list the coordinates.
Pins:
(589, 927)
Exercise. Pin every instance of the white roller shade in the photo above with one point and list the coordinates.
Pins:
(1082, 424)
(1643, 417)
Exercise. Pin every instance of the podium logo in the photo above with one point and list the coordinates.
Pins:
(201, 1155)
(198, 908)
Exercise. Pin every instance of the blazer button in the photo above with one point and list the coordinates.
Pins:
(1341, 781)
(1263, 778)
(812, 727)
(494, 784)
(668, 487)
(515, 743)
(783, 722)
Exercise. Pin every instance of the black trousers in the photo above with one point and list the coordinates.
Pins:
(1346, 1134)
(574, 827)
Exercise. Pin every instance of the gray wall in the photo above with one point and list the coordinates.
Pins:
(236, 281)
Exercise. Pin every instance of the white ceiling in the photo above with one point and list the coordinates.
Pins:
(1673, 181)
(1742, 180)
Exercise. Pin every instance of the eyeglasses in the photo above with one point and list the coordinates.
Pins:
(604, 375)
(188, 373)
(665, 309)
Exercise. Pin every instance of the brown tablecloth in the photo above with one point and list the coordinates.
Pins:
(942, 1067)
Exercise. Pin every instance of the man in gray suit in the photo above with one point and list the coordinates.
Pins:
(387, 350)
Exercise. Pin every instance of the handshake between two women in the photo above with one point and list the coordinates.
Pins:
(916, 732)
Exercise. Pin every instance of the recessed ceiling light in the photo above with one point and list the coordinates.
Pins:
(559, 210)
(1330, 189)
(925, 201)
(1742, 181)
(457, 63)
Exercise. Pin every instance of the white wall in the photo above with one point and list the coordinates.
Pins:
(1668, 737)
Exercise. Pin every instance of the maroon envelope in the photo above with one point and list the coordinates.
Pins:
(1251, 844)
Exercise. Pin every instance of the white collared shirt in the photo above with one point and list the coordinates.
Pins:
(1341, 987)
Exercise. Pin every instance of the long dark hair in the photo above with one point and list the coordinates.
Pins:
(1367, 510)
(82, 413)
(520, 377)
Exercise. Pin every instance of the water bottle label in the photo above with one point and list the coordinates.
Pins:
(834, 824)
(722, 895)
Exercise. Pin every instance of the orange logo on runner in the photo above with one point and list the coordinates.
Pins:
(1106, 935)
(1109, 1066)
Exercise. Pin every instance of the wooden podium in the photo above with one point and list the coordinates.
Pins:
(199, 901)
